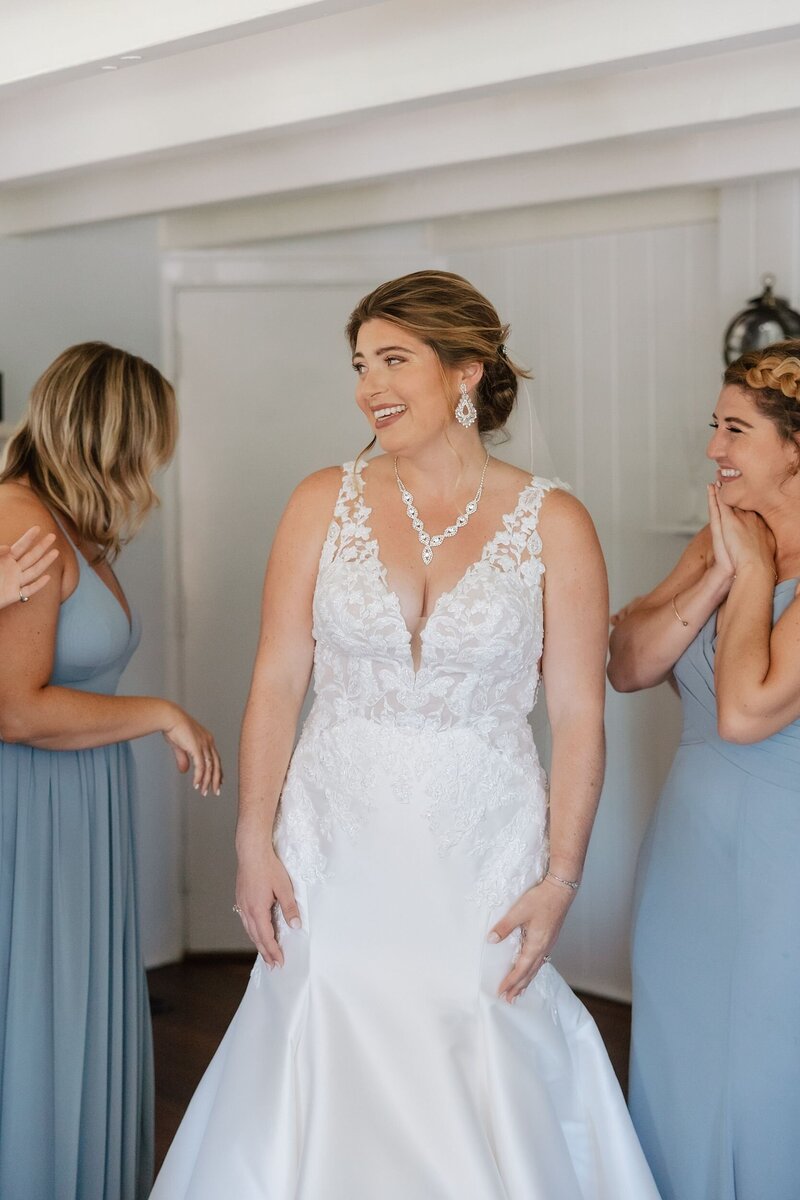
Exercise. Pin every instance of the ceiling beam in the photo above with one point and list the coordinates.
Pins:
(626, 165)
(87, 34)
(722, 92)
(397, 55)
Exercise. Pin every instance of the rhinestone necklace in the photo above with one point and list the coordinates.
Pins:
(429, 543)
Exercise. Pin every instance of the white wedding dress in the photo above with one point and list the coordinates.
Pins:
(379, 1062)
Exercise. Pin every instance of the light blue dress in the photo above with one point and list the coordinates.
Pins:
(76, 1083)
(715, 1056)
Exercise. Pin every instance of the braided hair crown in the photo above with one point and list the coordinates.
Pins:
(771, 377)
(781, 374)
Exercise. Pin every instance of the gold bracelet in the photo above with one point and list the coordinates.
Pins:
(685, 624)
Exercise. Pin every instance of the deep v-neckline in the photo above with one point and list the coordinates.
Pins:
(372, 543)
(83, 561)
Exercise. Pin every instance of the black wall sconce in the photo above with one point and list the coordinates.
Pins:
(768, 318)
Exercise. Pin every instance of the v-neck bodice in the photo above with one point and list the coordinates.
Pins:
(95, 640)
(480, 646)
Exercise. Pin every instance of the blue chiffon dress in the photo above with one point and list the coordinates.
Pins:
(715, 1058)
(76, 1080)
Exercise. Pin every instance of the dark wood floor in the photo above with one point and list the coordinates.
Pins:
(193, 1002)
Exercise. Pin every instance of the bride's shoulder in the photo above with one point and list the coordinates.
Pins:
(562, 515)
(314, 497)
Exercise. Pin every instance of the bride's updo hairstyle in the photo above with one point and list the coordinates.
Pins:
(771, 378)
(100, 422)
(460, 326)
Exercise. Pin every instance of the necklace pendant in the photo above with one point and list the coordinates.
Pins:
(429, 543)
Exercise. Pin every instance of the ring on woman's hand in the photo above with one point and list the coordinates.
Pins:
(23, 599)
(546, 958)
(237, 910)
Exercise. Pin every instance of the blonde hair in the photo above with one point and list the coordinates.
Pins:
(99, 423)
(459, 324)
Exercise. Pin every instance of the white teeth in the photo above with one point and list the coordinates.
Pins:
(380, 413)
(729, 473)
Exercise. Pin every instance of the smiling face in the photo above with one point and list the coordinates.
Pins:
(753, 460)
(404, 391)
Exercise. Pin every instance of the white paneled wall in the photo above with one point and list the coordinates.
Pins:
(759, 226)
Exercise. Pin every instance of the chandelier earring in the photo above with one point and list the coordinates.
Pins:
(466, 412)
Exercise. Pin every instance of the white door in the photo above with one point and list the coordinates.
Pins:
(266, 395)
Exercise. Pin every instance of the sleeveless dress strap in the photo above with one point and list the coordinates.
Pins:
(62, 527)
(346, 533)
(520, 540)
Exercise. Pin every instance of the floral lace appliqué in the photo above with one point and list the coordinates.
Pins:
(453, 736)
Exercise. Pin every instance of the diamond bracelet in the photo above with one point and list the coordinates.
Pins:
(572, 884)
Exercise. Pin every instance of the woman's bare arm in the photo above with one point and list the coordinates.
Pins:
(573, 671)
(756, 666)
(649, 639)
(573, 668)
(281, 674)
(37, 713)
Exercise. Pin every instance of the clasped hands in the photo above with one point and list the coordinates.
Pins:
(739, 539)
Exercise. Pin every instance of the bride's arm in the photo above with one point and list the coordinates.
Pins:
(573, 672)
(281, 673)
(573, 669)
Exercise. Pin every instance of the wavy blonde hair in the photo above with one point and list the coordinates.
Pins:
(771, 377)
(100, 422)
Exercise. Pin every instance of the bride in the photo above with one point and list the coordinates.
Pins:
(404, 1035)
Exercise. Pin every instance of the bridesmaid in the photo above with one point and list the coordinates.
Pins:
(75, 1053)
(715, 1060)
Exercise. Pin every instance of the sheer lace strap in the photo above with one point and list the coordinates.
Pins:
(348, 531)
(524, 540)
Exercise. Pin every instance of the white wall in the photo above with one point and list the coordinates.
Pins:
(102, 283)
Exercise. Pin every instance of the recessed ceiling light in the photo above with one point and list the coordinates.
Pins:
(130, 58)
(109, 67)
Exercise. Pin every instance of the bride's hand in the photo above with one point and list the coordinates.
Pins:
(538, 914)
(262, 881)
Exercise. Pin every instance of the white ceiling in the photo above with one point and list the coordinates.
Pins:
(386, 111)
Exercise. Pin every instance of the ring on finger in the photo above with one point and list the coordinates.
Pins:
(546, 958)
(237, 910)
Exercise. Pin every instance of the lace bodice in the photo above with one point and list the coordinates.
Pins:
(480, 647)
(452, 736)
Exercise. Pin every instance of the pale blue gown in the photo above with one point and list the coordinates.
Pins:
(76, 1083)
(715, 1057)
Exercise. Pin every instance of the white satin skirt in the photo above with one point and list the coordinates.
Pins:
(380, 1064)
